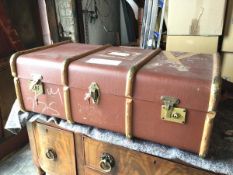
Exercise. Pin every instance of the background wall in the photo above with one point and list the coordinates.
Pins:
(25, 19)
(106, 27)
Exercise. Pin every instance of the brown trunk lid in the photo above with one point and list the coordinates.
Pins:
(48, 62)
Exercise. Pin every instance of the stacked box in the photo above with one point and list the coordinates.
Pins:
(197, 44)
(195, 25)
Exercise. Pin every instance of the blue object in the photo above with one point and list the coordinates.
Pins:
(161, 3)
(156, 34)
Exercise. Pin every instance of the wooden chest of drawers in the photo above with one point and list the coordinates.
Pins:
(60, 152)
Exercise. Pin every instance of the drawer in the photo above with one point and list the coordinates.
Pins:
(110, 159)
(89, 171)
(55, 149)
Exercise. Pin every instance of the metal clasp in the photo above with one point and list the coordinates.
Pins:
(93, 93)
(36, 84)
(169, 111)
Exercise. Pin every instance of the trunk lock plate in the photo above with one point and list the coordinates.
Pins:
(169, 111)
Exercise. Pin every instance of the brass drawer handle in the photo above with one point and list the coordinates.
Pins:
(106, 163)
(51, 154)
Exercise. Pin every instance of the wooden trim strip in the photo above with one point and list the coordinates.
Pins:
(129, 91)
(65, 81)
(216, 83)
(214, 97)
(208, 125)
(13, 66)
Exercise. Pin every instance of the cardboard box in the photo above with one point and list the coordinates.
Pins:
(227, 45)
(196, 44)
(227, 66)
(196, 17)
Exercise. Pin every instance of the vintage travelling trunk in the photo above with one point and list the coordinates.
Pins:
(165, 97)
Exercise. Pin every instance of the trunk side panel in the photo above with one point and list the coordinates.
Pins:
(147, 124)
(50, 103)
(108, 114)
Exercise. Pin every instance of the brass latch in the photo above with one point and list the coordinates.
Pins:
(171, 113)
(93, 93)
(36, 85)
